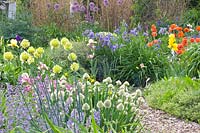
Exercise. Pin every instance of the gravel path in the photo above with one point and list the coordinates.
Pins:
(157, 121)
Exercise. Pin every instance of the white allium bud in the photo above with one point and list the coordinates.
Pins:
(82, 97)
(138, 92)
(85, 107)
(107, 80)
(100, 104)
(120, 107)
(107, 103)
(88, 83)
(126, 83)
(110, 86)
(118, 82)
(140, 101)
(121, 92)
(96, 83)
(86, 76)
(122, 87)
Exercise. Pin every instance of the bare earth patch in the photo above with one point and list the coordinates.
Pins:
(157, 121)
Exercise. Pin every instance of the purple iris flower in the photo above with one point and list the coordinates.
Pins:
(18, 38)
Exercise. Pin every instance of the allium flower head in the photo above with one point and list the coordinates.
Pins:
(54, 43)
(25, 43)
(105, 2)
(40, 50)
(74, 67)
(72, 57)
(30, 60)
(68, 45)
(64, 40)
(100, 104)
(24, 56)
(13, 43)
(120, 107)
(56, 6)
(118, 82)
(86, 76)
(31, 50)
(85, 107)
(107, 103)
(8, 56)
(57, 69)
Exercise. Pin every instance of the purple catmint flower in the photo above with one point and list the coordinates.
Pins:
(56, 6)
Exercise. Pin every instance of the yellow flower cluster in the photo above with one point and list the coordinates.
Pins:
(8, 56)
(25, 56)
(57, 69)
(172, 42)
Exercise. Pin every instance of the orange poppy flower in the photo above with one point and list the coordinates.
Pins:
(150, 44)
(197, 40)
(180, 51)
(192, 40)
(180, 46)
(180, 34)
(153, 28)
(155, 41)
(198, 28)
(173, 26)
(179, 28)
(154, 34)
(186, 30)
(184, 41)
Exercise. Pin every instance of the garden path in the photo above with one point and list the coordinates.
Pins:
(157, 121)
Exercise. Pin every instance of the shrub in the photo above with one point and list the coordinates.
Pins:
(177, 96)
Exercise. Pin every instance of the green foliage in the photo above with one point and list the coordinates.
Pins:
(177, 96)
(191, 16)
(191, 61)
(10, 28)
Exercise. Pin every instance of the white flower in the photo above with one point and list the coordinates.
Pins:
(133, 109)
(110, 86)
(100, 104)
(118, 82)
(88, 83)
(126, 83)
(96, 83)
(82, 97)
(140, 101)
(107, 103)
(121, 92)
(122, 87)
(107, 80)
(120, 107)
(85, 107)
(86, 76)
(138, 92)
